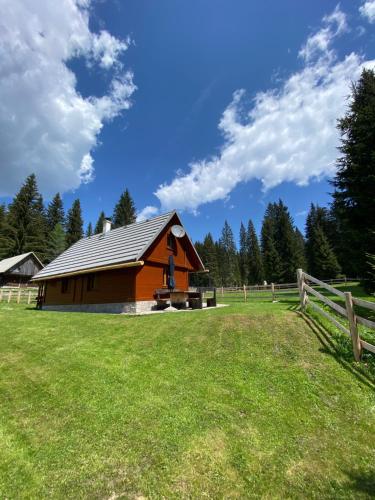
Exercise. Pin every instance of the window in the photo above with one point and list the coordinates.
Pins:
(171, 242)
(64, 285)
(91, 282)
(165, 276)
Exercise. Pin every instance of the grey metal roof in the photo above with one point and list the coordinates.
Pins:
(124, 244)
(7, 264)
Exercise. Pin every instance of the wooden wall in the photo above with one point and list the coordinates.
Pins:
(110, 287)
(150, 278)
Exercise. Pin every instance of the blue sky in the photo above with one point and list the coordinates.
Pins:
(132, 94)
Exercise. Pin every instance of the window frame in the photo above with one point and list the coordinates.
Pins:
(171, 242)
(91, 282)
(65, 285)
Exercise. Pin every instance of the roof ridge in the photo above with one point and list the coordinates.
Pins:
(128, 225)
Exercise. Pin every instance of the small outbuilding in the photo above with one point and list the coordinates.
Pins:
(127, 269)
(19, 270)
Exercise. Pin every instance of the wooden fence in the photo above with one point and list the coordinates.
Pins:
(20, 295)
(269, 291)
(348, 312)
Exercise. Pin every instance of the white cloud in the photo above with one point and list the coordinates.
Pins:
(368, 10)
(289, 134)
(106, 49)
(318, 44)
(147, 213)
(46, 125)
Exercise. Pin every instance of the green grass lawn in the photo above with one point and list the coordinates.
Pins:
(251, 400)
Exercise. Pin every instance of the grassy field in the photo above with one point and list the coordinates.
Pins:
(251, 400)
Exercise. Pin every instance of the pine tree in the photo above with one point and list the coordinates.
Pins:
(99, 223)
(228, 255)
(286, 242)
(6, 242)
(354, 200)
(89, 230)
(255, 264)
(38, 235)
(124, 212)
(211, 260)
(300, 250)
(74, 225)
(55, 212)
(325, 265)
(317, 226)
(26, 219)
(56, 243)
(243, 257)
(272, 265)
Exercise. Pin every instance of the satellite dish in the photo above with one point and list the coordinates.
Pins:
(178, 231)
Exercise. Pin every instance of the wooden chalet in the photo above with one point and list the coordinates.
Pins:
(129, 269)
(19, 270)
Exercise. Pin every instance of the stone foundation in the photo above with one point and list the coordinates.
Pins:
(112, 308)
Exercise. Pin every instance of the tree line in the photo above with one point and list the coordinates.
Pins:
(275, 255)
(338, 240)
(27, 225)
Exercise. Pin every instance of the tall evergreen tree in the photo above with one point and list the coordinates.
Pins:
(228, 255)
(99, 223)
(6, 242)
(354, 200)
(286, 242)
(124, 212)
(55, 212)
(211, 262)
(300, 250)
(243, 257)
(89, 231)
(324, 262)
(74, 225)
(26, 219)
(255, 264)
(318, 245)
(270, 257)
(56, 243)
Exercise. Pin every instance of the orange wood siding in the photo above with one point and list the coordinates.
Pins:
(183, 256)
(110, 287)
(150, 277)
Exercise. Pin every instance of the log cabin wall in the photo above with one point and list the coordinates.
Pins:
(150, 278)
(152, 275)
(108, 287)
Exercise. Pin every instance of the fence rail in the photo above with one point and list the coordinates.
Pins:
(348, 312)
(19, 294)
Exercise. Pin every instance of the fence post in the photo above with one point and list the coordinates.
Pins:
(356, 341)
(244, 292)
(29, 297)
(222, 291)
(19, 296)
(9, 295)
(273, 291)
(1, 294)
(302, 292)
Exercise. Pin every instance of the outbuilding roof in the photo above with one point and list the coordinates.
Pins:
(119, 246)
(7, 264)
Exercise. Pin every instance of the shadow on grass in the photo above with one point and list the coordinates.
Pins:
(329, 347)
(363, 482)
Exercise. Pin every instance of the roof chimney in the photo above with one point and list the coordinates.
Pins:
(106, 225)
